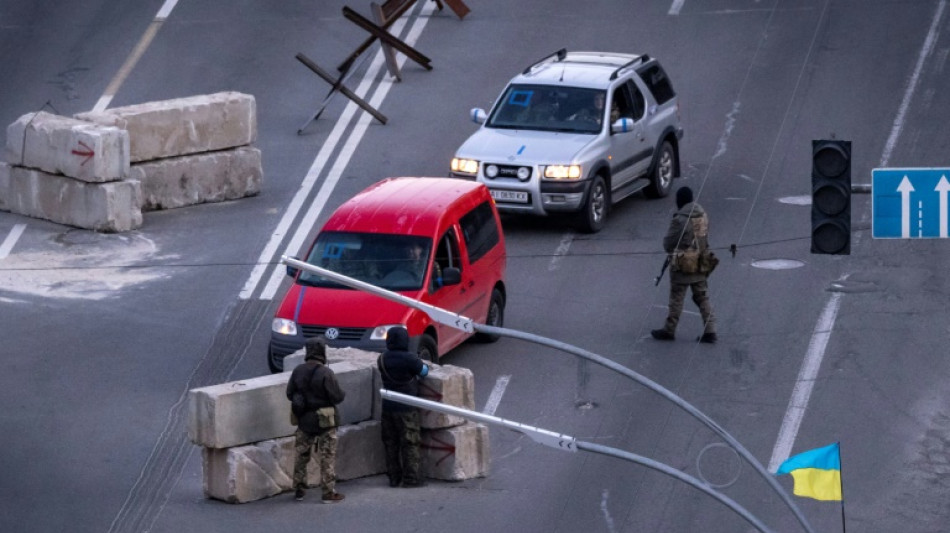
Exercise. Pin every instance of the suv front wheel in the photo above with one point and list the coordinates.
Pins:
(664, 170)
(594, 214)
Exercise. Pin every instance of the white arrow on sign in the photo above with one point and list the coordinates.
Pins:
(942, 187)
(905, 188)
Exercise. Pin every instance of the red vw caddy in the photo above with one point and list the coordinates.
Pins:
(436, 240)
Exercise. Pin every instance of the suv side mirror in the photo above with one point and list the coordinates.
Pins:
(622, 125)
(479, 116)
(451, 276)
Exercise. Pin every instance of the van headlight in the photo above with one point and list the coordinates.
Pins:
(379, 332)
(562, 172)
(460, 165)
(284, 326)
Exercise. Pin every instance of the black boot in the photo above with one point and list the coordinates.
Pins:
(708, 338)
(662, 335)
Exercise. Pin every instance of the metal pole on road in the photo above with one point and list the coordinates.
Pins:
(468, 325)
(570, 444)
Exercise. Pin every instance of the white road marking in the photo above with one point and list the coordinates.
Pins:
(496, 393)
(805, 383)
(303, 229)
(562, 249)
(676, 7)
(604, 496)
(11, 240)
(134, 57)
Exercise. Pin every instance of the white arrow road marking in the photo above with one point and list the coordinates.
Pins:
(942, 187)
(905, 188)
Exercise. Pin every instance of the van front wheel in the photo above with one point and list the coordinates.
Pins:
(428, 349)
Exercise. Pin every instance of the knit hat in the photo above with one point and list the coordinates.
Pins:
(683, 196)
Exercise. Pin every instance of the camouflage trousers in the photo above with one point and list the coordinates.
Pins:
(402, 440)
(700, 291)
(326, 452)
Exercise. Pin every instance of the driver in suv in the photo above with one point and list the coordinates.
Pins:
(549, 144)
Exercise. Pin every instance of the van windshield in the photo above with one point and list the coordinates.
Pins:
(393, 262)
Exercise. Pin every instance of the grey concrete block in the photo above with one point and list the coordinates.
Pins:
(257, 409)
(108, 207)
(252, 472)
(182, 126)
(68, 146)
(451, 385)
(199, 178)
(456, 453)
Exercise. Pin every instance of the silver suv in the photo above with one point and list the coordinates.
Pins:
(575, 133)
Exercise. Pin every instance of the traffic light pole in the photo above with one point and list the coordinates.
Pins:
(468, 325)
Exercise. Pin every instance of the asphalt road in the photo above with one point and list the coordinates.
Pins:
(103, 335)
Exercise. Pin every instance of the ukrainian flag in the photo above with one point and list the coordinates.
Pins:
(817, 473)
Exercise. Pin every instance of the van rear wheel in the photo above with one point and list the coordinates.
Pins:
(496, 316)
(428, 349)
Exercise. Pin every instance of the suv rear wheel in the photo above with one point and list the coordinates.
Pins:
(665, 168)
(594, 214)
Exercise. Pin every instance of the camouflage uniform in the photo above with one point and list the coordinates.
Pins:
(326, 455)
(687, 230)
(402, 440)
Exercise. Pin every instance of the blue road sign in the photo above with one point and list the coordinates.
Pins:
(909, 203)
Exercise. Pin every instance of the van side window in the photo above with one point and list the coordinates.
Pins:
(479, 231)
(446, 255)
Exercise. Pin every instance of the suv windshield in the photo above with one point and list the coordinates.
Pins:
(393, 262)
(549, 108)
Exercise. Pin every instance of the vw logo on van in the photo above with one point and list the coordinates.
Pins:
(332, 333)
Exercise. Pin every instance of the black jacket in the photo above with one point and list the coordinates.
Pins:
(317, 387)
(400, 369)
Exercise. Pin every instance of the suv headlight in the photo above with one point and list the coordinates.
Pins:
(379, 332)
(562, 172)
(461, 165)
(284, 326)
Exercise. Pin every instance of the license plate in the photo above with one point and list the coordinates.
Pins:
(519, 197)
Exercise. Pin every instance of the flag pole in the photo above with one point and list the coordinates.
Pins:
(841, 479)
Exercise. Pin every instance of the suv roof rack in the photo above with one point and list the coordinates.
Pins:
(560, 55)
(641, 59)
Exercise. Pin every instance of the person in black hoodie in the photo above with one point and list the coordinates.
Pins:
(313, 386)
(401, 371)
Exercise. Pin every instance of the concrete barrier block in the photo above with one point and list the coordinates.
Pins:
(68, 146)
(107, 207)
(451, 385)
(200, 178)
(4, 187)
(183, 126)
(456, 453)
(257, 409)
(252, 472)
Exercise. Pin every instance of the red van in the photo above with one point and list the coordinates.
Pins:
(436, 240)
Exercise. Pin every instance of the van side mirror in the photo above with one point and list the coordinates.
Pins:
(292, 270)
(451, 276)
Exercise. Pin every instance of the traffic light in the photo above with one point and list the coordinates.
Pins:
(830, 197)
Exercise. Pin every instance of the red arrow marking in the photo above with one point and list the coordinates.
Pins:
(87, 153)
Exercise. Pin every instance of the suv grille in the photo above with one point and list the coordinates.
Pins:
(346, 334)
(510, 171)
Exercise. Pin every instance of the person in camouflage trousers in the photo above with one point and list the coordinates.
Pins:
(313, 386)
(401, 371)
(688, 231)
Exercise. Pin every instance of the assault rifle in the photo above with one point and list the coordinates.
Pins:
(666, 264)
